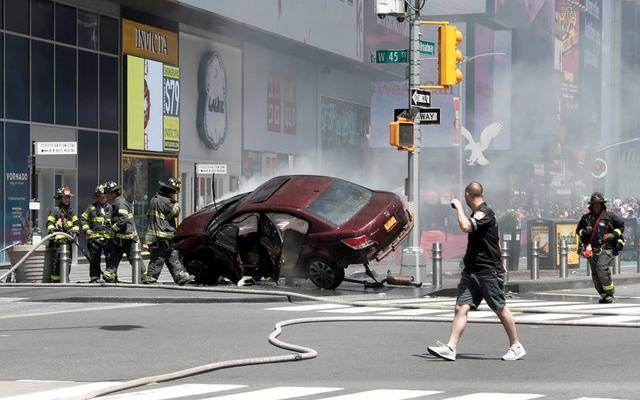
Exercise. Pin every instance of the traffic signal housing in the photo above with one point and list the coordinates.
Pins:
(449, 37)
(401, 134)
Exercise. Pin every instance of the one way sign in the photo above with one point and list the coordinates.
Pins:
(420, 98)
(429, 116)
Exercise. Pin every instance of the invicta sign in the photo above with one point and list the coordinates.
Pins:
(154, 42)
(149, 42)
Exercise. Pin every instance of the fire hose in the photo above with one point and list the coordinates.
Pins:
(23, 259)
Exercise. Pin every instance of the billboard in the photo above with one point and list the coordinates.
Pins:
(152, 105)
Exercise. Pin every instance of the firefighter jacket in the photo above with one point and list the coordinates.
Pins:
(122, 223)
(62, 219)
(607, 222)
(161, 219)
(97, 219)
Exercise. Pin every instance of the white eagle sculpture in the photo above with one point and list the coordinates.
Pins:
(477, 149)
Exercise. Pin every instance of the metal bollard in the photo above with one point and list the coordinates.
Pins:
(436, 262)
(563, 258)
(504, 253)
(535, 272)
(136, 250)
(616, 265)
(64, 262)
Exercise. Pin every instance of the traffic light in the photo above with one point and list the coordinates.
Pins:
(449, 37)
(401, 134)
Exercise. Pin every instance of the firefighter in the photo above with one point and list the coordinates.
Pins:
(124, 231)
(161, 227)
(601, 240)
(61, 219)
(96, 224)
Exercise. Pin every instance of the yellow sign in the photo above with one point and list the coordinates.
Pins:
(540, 233)
(171, 133)
(568, 232)
(149, 42)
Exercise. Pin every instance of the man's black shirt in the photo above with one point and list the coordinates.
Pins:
(483, 245)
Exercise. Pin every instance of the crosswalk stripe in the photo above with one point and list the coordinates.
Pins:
(480, 314)
(496, 396)
(356, 310)
(425, 300)
(384, 394)
(542, 304)
(276, 393)
(627, 311)
(62, 392)
(10, 299)
(172, 392)
(608, 319)
(586, 307)
(308, 307)
(79, 308)
(596, 398)
(412, 312)
(542, 317)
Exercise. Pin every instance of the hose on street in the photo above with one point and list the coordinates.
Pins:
(23, 259)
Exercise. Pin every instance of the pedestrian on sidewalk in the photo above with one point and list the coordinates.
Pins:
(482, 276)
(96, 224)
(601, 240)
(61, 219)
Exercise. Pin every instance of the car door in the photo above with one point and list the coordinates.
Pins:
(224, 245)
(271, 242)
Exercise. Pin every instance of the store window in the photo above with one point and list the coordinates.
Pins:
(109, 35)
(87, 89)
(17, 77)
(42, 19)
(87, 30)
(140, 176)
(17, 15)
(88, 164)
(65, 85)
(108, 93)
(109, 156)
(42, 82)
(1, 73)
(65, 24)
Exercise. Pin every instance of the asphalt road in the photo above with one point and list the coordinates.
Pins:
(91, 342)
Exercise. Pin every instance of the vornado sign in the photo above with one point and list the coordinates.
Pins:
(212, 100)
(149, 42)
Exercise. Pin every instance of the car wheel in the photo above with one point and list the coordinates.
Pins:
(201, 271)
(324, 274)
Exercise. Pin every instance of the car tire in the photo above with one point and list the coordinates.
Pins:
(203, 274)
(324, 274)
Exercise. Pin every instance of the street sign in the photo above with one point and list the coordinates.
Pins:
(420, 98)
(427, 47)
(391, 56)
(429, 116)
(54, 148)
(209, 169)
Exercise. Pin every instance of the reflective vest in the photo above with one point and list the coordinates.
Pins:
(97, 219)
(161, 219)
(62, 219)
(122, 223)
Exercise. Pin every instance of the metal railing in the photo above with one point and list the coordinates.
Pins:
(24, 258)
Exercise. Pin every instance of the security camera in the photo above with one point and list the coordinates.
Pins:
(381, 16)
(394, 8)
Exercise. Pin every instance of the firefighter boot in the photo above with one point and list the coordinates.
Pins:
(147, 279)
(184, 278)
(110, 276)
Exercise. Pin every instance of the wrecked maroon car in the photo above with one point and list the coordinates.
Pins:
(295, 226)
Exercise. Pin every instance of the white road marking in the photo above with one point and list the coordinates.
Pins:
(586, 307)
(10, 299)
(384, 394)
(80, 308)
(356, 310)
(172, 392)
(61, 393)
(496, 396)
(276, 393)
(308, 307)
(542, 317)
(596, 398)
(412, 312)
(608, 319)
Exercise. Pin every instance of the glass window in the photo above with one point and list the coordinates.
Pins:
(65, 85)
(16, 188)
(87, 30)
(109, 93)
(87, 168)
(42, 18)
(109, 156)
(17, 13)
(341, 201)
(1, 76)
(265, 191)
(109, 35)
(65, 24)
(42, 81)
(17, 77)
(87, 89)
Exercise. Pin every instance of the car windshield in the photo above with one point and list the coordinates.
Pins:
(340, 202)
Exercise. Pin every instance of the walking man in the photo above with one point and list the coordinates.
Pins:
(161, 227)
(601, 240)
(482, 277)
(96, 224)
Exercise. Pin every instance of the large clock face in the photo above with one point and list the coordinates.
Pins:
(212, 102)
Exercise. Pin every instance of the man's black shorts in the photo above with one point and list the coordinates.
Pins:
(474, 287)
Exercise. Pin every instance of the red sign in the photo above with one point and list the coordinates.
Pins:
(274, 98)
(289, 115)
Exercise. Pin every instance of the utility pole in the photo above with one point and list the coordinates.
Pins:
(413, 180)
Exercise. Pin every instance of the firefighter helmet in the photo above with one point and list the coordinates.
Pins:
(62, 191)
(111, 186)
(173, 184)
(597, 197)
(100, 189)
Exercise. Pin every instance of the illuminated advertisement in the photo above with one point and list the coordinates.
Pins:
(153, 105)
(567, 231)
(540, 234)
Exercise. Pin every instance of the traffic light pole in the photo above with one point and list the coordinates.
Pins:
(413, 181)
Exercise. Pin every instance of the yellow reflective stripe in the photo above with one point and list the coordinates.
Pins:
(74, 218)
(581, 232)
(125, 235)
(55, 277)
(608, 287)
(123, 212)
(76, 229)
(153, 213)
(164, 234)
(85, 227)
(617, 232)
(52, 218)
(50, 228)
(99, 235)
(85, 215)
(621, 241)
(97, 219)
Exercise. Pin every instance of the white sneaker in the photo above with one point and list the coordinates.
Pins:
(443, 351)
(515, 352)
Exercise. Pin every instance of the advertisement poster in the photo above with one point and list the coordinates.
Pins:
(16, 182)
(2, 242)
(568, 232)
(153, 111)
(540, 233)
